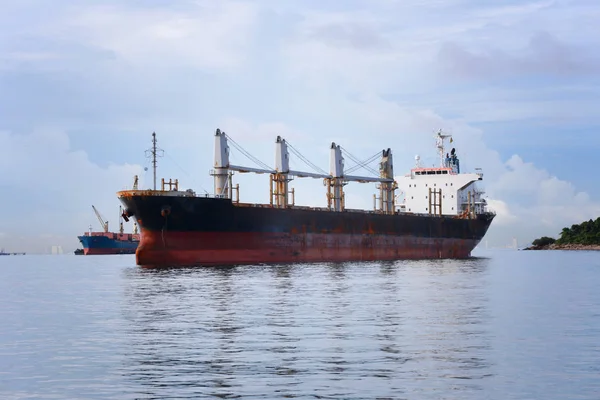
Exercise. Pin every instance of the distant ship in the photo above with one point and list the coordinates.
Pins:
(105, 242)
(180, 228)
(3, 253)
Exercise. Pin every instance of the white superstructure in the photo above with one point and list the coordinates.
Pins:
(441, 190)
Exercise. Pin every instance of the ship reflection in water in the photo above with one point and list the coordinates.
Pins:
(398, 330)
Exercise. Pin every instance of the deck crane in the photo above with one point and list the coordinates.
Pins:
(335, 180)
(102, 222)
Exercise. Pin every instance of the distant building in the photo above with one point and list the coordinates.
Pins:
(57, 250)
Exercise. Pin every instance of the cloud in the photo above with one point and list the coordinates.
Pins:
(401, 43)
(410, 130)
(206, 35)
(524, 180)
(200, 34)
(49, 189)
(504, 216)
(541, 203)
(352, 35)
(545, 55)
(243, 130)
(367, 75)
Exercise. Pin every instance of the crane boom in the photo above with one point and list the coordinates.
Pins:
(102, 222)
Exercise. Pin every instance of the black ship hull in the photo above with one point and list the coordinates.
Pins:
(186, 230)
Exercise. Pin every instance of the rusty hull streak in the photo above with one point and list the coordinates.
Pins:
(131, 193)
(186, 249)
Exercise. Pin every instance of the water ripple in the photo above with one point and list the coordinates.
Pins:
(511, 326)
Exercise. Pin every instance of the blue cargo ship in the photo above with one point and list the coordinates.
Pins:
(109, 243)
(106, 242)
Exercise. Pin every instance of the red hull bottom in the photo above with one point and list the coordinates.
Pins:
(168, 249)
(101, 251)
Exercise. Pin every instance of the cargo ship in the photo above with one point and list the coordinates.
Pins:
(3, 253)
(105, 242)
(439, 213)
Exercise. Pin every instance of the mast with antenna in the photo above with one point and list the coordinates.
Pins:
(440, 137)
(153, 153)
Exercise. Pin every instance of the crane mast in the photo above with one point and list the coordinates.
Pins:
(103, 223)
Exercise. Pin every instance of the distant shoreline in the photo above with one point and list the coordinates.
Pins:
(572, 246)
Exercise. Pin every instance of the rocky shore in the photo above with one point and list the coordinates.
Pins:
(573, 246)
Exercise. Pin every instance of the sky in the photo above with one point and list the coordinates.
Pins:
(83, 84)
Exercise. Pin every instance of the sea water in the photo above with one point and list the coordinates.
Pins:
(502, 325)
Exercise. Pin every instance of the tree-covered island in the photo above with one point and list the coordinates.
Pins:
(583, 236)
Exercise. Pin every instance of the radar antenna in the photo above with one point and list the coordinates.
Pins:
(439, 141)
